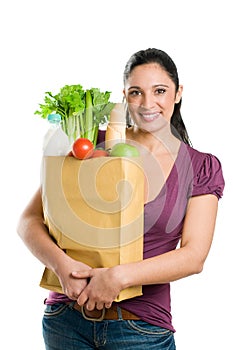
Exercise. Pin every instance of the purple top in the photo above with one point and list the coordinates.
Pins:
(193, 173)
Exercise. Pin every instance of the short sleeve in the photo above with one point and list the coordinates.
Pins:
(209, 178)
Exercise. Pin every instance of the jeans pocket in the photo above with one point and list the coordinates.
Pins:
(55, 309)
(145, 328)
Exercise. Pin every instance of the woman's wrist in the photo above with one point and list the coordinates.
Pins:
(121, 273)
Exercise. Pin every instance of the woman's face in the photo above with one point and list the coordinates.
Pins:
(151, 96)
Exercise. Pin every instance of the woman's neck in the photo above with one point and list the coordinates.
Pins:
(158, 143)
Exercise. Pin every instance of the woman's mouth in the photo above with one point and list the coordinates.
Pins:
(149, 117)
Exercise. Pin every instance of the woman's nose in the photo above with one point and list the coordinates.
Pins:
(148, 101)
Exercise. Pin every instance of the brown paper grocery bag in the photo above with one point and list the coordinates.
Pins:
(94, 210)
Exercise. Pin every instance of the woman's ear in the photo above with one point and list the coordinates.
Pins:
(179, 94)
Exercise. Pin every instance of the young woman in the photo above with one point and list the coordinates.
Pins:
(183, 188)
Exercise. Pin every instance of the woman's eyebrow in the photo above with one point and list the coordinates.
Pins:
(164, 85)
(134, 87)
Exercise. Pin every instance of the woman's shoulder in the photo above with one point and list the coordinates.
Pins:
(207, 172)
(201, 158)
(197, 155)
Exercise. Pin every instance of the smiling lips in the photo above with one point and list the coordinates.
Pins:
(149, 117)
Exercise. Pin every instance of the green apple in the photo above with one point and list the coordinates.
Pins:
(124, 150)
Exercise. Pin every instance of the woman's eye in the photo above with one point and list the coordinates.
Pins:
(135, 93)
(160, 91)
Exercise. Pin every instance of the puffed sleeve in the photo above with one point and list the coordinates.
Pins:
(209, 177)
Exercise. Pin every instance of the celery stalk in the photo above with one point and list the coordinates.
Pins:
(89, 124)
(81, 124)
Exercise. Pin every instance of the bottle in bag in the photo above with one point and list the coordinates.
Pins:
(56, 142)
(116, 127)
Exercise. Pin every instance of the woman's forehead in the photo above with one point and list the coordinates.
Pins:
(149, 74)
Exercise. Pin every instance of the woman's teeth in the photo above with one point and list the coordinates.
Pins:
(150, 117)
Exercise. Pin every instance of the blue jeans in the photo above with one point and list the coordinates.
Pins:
(64, 328)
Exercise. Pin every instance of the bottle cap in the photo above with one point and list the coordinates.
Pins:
(54, 118)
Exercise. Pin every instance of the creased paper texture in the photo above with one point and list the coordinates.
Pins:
(94, 210)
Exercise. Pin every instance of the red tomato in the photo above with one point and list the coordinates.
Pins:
(82, 148)
(99, 153)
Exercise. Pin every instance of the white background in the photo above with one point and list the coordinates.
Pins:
(47, 44)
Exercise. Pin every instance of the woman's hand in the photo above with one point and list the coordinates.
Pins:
(103, 288)
(71, 286)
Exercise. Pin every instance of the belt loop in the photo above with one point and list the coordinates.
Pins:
(71, 305)
(119, 313)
